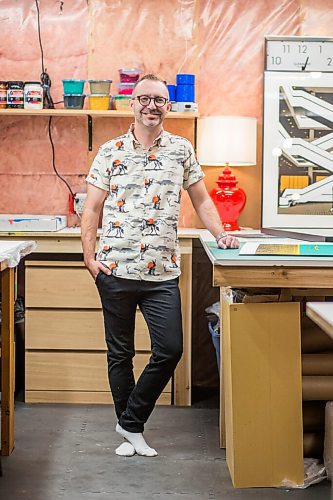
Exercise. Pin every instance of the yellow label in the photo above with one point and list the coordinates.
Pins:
(276, 249)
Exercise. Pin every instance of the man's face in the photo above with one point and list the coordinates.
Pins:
(150, 115)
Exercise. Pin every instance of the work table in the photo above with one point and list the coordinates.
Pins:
(261, 422)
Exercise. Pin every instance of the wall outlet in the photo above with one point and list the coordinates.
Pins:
(79, 200)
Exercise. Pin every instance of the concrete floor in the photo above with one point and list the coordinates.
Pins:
(67, 452)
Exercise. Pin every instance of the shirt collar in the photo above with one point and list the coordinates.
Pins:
(136, 143)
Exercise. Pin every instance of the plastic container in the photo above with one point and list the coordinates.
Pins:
(125, 88)
(172, 92)
(74, 101)
(73, 86)
(185, 88)
(185, 93)
(99, 101)
(121, 102)
(100, 86)
(129, 75)
(15, 95)
(3, 95)
(33, 95)
(185, 79)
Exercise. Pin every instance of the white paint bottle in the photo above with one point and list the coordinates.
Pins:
(33, 95)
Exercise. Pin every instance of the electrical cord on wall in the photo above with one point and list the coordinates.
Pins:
(48, 104)
(53, 160)
(44, 77)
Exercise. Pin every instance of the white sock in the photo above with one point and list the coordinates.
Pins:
(125, 450)
(138, 442)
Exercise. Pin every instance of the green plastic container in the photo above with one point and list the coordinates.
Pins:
(73, 86)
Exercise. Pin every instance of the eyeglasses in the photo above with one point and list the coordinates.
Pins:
(145, 100)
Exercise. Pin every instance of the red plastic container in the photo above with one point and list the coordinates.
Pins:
(129, 75)
(125, 88)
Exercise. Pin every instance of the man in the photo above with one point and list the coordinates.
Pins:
(138, 177)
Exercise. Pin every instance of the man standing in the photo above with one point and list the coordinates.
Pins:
(138, 177)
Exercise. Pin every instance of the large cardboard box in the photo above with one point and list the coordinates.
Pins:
(262, 393)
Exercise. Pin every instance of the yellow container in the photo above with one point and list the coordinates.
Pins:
(99, 101)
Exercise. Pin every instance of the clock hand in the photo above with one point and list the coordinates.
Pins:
(306, 62)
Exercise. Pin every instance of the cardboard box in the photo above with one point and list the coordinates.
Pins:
(32, 223)
(261, 360)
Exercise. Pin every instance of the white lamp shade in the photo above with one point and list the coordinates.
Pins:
(227, 139)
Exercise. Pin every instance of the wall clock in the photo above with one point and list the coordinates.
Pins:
(299, 54)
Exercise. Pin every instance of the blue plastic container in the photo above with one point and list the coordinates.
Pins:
(73, 86)
(185, 79)
(216, 342)
(74, 101)
(185, 93)
(172, 92)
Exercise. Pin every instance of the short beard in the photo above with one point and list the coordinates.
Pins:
(150, 125)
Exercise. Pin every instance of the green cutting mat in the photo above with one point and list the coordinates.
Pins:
(233, 254)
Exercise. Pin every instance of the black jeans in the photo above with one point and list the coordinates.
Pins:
(160, 305)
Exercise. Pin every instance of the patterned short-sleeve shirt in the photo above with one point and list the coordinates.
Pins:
(140, 215)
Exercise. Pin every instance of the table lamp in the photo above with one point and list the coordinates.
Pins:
(227, 140)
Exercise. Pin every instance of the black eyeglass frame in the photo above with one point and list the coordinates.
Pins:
(152, 99)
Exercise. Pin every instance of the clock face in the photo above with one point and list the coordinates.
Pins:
(299, 54)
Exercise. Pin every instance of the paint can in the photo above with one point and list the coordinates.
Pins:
(3, 95)
(33, 95)
(15, 95)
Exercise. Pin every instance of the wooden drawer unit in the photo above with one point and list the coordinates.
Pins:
(69, 329)
(65, 345)
(49, 374)
(60, 284)
(74, 329)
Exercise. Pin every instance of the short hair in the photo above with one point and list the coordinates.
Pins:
(152, 78)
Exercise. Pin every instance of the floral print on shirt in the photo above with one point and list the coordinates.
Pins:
(140, 215)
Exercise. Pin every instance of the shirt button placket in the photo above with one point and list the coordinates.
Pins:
(144, 214)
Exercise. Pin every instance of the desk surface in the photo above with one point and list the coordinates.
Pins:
(75, 232)
(268, 271)
(231, 257)
(322, 314)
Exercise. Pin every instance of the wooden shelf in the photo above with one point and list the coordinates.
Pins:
(86, 112)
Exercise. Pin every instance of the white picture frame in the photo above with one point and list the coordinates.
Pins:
(297, 150)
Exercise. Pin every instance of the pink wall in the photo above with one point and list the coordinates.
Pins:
(224, 46)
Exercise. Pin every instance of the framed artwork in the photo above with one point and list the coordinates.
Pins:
(298, 150)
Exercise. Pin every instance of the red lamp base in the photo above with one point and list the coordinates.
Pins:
(228, 199)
